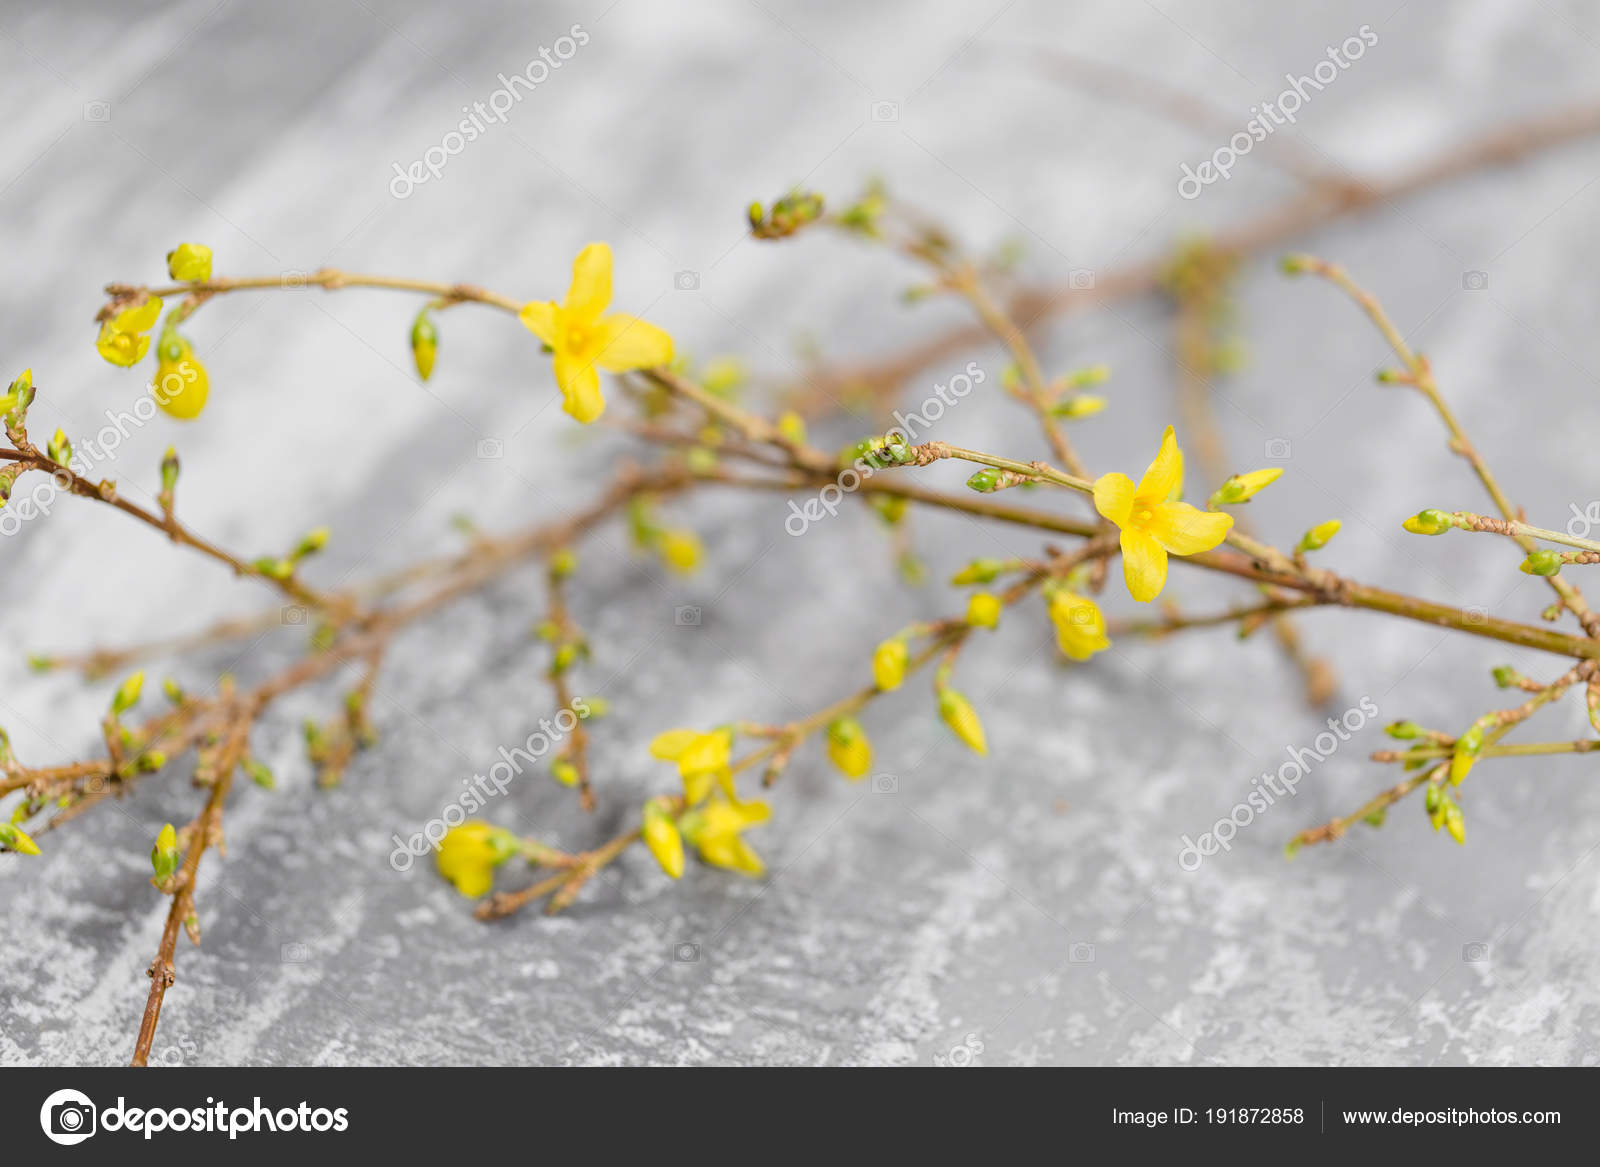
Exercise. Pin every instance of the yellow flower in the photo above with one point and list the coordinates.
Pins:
(582, 337)
(189, 261)
(1080, 625)
(182, 383)
(714, 831)
(702, 759)
(468, 855)
(963, 720)
(679, 550)
(662, 837)
(122, 339)
(848, 747)
(1152, 523)
(983, 610)
(889, 664)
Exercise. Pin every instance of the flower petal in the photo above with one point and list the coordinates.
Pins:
(626, 342)
(667, 746)
(1165, 474)
(1113, 497)
(1144, 565)
(591, 283)
(539, 318)
(580, 387)
(1186, 530)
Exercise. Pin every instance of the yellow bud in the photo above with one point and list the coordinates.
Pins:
(164, 855)
(983, 610)
(792, 426)
(564, 772)
(889, 664)
(666, 844)
(848, 747)
(1318, 536)
(189, 262)
(181, 384)
(127, 694)
(962, 719)
(1079, 623)
(1455, 823)
(679, 550)
(424, 344)
(1244, 487)
(12, 838)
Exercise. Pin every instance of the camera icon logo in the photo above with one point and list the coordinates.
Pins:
(1081, 953)
(885, 111)
(97, 111)
(490, 448)
(1278, 449)
(293, 279)
(686, 281)
(292, 614)
(1476, 615)
(1080, 279)
(686, 953)
(885, 784)
(1475, 953)
(686, 616)
(294, 953)
(1474, 281)
(68, 1117)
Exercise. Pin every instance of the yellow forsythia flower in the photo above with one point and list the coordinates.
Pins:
(714, 831)
(679, 550)
(123, 340)
(468, 855)
(702, 759)
(963, 720)
(983, 610)
(889, 664)
(665, 842)
(582, 338)
(848, 747)
(189, 262)
(1080, 625)
(182, 383)
(1152, 523)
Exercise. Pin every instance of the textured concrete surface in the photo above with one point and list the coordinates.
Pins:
(1025, 909)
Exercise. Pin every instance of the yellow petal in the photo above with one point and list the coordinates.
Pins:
(539, 318)
(181, 387)
(1165, 474)
(667, 746)
(1113, 497)
(1144, 565)
(626, 342)
(580, 388)
(591, 283)
(140, 318)
(1186, 530)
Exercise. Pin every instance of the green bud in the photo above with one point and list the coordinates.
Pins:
(169, 470)
(755, 214)
(1505, 676)
(164, 855)
(260, 774)
(1404, 731)
(1377, 817)
(978, 571)
(985, 480)
(1428, 522)
(173, 691)
(424, 344)
(313, 542)
(1317, 538)
(1294, 265)
(59, 448)
(12, 838)
(274, 568)
(1542, 562)
(563, 563)
(127, 694)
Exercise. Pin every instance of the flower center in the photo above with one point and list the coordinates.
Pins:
(577, 336)
(1142, 516)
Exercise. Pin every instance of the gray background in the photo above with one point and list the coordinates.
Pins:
(894, 927)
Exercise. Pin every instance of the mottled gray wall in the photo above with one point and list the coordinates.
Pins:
(1031, 902)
